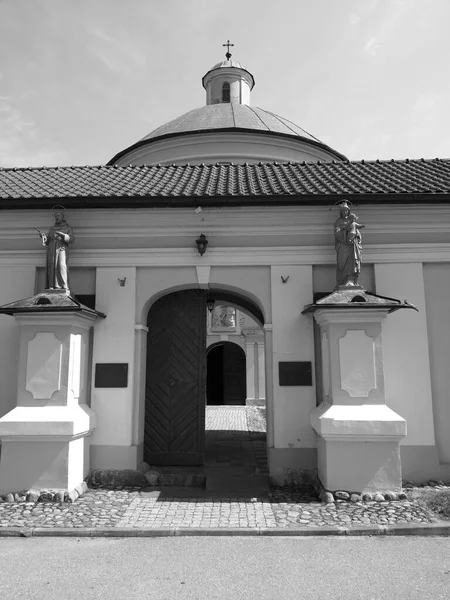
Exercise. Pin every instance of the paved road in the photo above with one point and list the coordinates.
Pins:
(225, 568)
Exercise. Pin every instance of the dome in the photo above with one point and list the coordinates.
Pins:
(227, 129)
(230, 116)
(228, 63)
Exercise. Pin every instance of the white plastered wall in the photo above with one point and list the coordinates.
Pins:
(405, 351)
(17, 282)
(437, 294)
(114, 342)
(292, 341)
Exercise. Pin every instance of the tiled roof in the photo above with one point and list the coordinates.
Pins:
(227, 184)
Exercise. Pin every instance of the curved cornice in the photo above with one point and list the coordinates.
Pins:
(204, 132)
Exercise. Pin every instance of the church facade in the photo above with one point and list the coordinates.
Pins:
(131, 367)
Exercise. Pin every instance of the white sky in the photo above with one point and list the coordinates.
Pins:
(82, 79)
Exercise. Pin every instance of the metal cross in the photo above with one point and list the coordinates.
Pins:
(228, 54)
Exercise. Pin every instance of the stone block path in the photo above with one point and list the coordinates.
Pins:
(194, 508)
(222, 419)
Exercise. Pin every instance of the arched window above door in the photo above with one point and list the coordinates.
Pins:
(226, 92)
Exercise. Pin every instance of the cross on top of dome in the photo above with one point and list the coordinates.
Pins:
(228, 53)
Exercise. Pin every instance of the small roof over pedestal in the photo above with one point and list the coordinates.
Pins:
(356, 297)
(49, 301)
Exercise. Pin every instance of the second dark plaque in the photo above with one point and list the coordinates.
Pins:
(111, 375)
(295, 373)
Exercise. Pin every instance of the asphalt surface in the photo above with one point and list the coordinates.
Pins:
(229, 568)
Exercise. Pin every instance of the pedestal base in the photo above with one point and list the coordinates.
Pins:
(359, 466)
(48, 450)
(358, 447)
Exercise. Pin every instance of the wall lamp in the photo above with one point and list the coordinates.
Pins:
(201, 242)
(210, 304)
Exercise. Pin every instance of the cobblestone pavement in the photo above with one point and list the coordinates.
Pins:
(194, 508)
(190, 507)
(226, 418)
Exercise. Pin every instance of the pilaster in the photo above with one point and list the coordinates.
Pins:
(251, 370)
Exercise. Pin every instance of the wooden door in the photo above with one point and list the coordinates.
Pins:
(234, 375)
(176, 380)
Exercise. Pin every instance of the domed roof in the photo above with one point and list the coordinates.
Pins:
(228, 63)
(258, 132)
(230, 116)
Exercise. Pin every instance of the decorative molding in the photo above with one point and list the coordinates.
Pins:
(357, 363)
(248, 256)
(52, 320)
(76, 354)
(159, 222)
(326, 375)
(139, 327)
(366, 437)
(11, 437)
(351, 315)
(44, 359)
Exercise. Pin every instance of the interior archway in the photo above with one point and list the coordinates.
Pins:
(226, 375)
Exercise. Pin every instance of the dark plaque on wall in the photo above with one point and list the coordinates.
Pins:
(295, 373)
(111, 375)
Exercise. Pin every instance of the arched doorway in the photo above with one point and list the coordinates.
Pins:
(175, 389)
(226, 375)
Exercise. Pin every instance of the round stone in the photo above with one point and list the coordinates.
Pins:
(378, 497)
(341, 495)
(32, 496)
(327, 497)
(390, 496)
(355, 498)
(46, 496)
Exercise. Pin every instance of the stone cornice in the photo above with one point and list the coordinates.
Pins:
(176, 257)
(228, 222)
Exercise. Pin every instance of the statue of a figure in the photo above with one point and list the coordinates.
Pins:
(348, 244)
(57, 242)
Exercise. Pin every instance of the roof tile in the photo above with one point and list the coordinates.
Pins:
(276, 180)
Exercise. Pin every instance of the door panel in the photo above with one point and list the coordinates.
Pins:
(175, 387)
(234, 375)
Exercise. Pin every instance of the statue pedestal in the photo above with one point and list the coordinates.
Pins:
(45, 438)
(359, 436)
